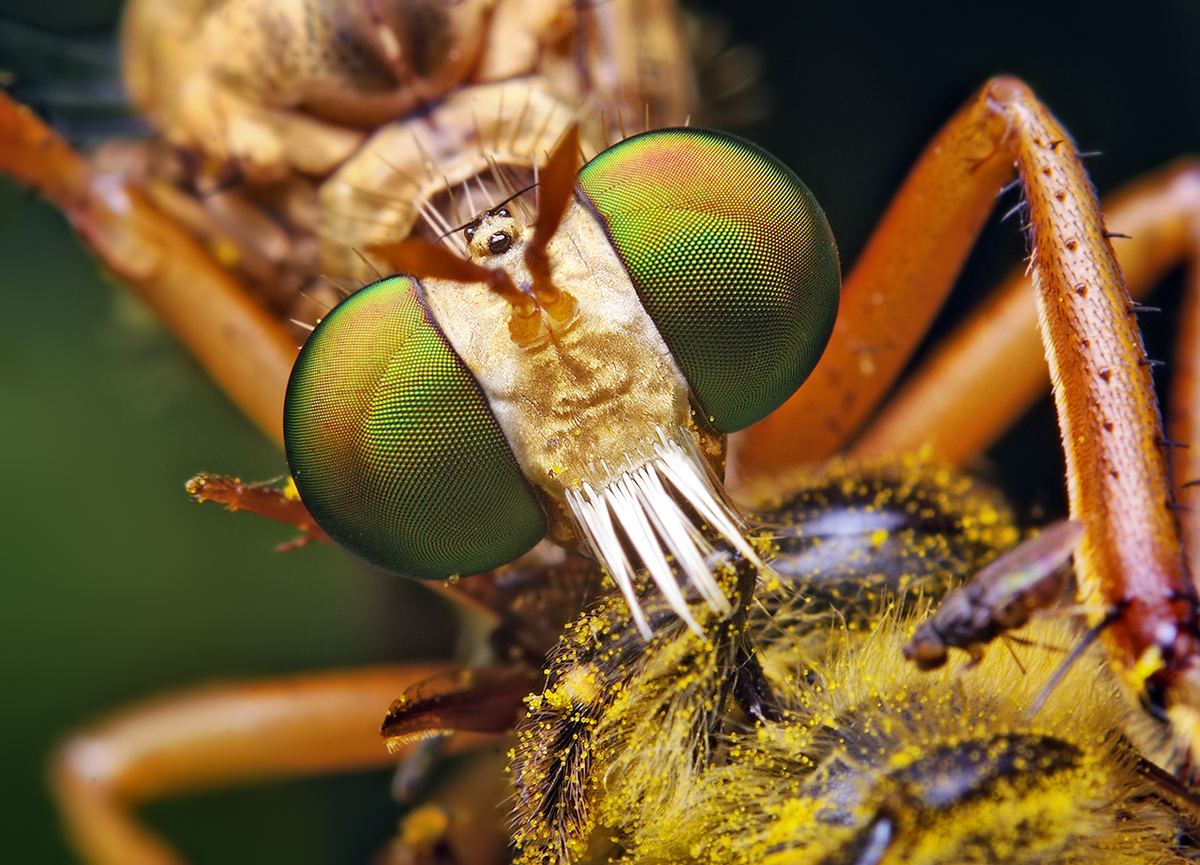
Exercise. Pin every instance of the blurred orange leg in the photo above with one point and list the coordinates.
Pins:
(991, 370)
(894, 291)
(248, 353)
(1183, 409)
(218, 736)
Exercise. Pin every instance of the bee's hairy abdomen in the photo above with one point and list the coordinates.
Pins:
(859, 757)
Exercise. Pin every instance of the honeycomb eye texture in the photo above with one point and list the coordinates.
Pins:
(393, 447)
(732, 258)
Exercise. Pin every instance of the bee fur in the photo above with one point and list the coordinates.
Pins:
(640, 751)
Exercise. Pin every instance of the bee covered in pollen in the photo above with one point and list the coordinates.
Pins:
(799, 734)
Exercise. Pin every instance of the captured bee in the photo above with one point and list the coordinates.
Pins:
(796, 732)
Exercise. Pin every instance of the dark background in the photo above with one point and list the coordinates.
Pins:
(114, 585)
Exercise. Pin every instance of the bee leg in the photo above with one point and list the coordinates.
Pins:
(217, 736)
(247, 352)
(752, 691)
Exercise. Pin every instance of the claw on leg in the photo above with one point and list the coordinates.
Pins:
(278, 503)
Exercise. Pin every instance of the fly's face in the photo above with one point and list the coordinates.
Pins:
(569, 369)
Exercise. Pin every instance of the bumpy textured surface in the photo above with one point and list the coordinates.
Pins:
(802, 737)
(393, 447)
(732, 258)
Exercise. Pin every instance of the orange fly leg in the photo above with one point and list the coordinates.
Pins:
(217, 736)
(892, 294)
(958, 406)
(1183, 407)
(1130, 558)
(246, 351)
(992, 368)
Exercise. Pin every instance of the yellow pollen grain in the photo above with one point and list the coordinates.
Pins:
(423, 826)
(227, 254)
(577, 688)
(1150, 662)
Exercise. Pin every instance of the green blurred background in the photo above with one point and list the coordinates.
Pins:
(115, 585)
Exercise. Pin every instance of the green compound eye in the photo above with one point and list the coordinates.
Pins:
(393, 447)
(732, 258)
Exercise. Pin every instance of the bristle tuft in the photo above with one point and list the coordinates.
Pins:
(637, 514)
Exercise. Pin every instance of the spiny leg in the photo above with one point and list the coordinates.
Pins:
(1117, 482)
(992, 368)
(898, 285)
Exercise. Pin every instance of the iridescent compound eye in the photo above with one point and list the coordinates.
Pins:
(732, 258)
(431, 437)
(393, 447)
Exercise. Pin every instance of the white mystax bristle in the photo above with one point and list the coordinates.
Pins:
(638, 509)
